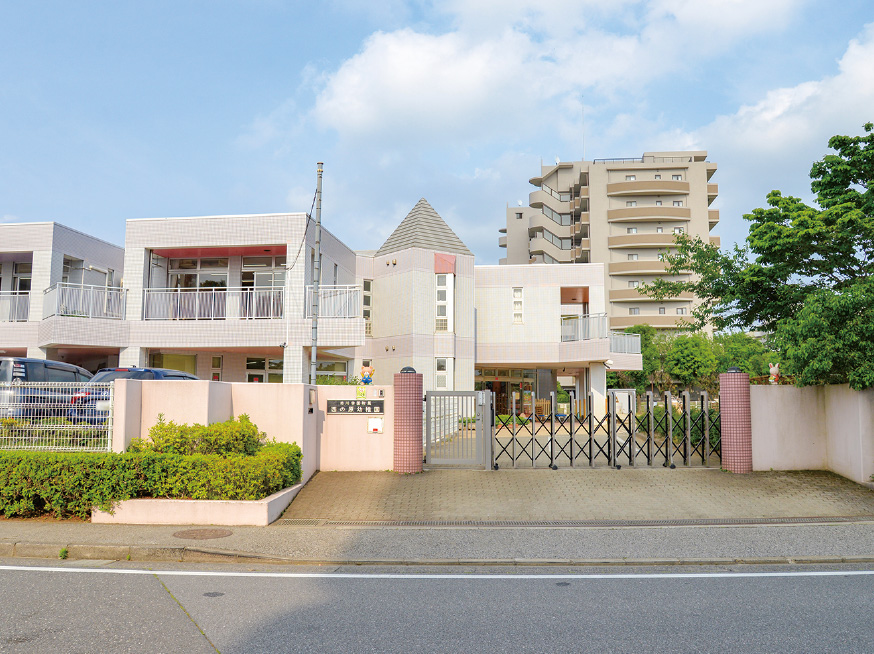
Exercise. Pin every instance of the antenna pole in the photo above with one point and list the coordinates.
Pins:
(317, 274)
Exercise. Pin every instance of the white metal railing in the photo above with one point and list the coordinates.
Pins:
(561, 197)
(583, 328)
(218, 303)
(44, 416)
(622, 343)
(335, 302)
(14, 306)
(65, 299)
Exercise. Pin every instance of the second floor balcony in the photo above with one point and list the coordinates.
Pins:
(247, 303)
(595, 326)
(84, 301)
(14, 306)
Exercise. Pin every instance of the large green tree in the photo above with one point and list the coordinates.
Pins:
(805, 273)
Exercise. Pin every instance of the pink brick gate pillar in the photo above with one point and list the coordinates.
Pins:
(737, 433)
(408, 422)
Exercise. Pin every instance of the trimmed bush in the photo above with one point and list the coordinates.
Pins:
(65, 484)
(238, 436)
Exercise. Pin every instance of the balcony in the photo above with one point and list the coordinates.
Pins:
(640, 267)
(14, 306)
(658, 321)
(650, 187)
(83, 301)
(624, 343)
(630, 214)
(634, 295)
(502, 241)
(716, 240)
(661, 241)
(712, 192)
(713, 217)
(212, 303)
(583, 328)
(335, 301)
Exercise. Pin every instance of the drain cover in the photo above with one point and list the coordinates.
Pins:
(203, 534)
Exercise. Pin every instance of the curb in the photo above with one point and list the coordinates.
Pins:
(141, 553)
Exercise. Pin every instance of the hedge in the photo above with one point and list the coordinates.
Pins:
(68, 484)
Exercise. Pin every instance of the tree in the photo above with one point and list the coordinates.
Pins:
(805, 273)
(691, 360)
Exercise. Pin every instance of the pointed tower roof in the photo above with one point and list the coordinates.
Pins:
(423, 228)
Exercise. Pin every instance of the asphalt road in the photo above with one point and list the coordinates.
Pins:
(52, 606)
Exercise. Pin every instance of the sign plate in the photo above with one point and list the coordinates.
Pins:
(363, 407)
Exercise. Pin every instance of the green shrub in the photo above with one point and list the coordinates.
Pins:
(70, 484)
(238, 436)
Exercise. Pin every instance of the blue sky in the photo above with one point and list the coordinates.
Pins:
(117, 110)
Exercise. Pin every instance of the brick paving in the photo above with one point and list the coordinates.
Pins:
(536, 495)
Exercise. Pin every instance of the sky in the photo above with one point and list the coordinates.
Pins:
(118, 110)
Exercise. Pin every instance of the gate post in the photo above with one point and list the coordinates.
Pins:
(408, 422)
(737, 434)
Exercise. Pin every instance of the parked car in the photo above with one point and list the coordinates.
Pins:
(91, 403)
(21, 398)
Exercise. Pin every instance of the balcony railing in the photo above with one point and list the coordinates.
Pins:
(212, 303)
(14, 306)
(624, 343)
(335, 302)
(83, 301)
(583, 328)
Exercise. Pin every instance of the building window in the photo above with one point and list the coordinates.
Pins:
(682, 311)
(632, 257)
(679, 230)
(677, 178)
(260, 370)
(634, 311)
(630, 178)
(443, 374)
(661, 311)
(631, 203)
(658, 203)
(517, 306)
(658, 176)
(199, 273)
(21, 276)
(678, 203)
(366, 363)
(518, 215)
(631, 230)
(633, 284)
(367, 306)
(659, 230)
(444, 303)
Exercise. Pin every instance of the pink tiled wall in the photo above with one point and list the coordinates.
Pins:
(408, 422)
(737, 434)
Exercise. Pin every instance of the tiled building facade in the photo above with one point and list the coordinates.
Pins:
(229, 298)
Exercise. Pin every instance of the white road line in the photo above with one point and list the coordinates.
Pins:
(459, 576)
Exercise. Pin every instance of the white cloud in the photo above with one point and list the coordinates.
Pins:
(9, 218)
(771, 144)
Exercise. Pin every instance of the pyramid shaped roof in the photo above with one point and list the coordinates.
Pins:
(423, 228)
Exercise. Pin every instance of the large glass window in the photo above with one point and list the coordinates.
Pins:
(199, 273)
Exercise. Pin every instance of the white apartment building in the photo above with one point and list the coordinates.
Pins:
(621, 213)
(229, 298)
(60, 295)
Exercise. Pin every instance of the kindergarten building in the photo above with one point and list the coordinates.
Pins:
(229, 298)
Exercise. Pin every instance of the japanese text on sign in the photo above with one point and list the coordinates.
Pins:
(363, 407)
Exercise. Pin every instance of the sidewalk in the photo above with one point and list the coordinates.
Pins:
(310, 532)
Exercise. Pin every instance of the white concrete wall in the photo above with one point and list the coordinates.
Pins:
(813, 428)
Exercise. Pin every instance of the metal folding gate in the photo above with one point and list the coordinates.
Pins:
(666, 433)
(458, 428)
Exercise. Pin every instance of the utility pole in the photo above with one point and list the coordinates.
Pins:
(317, 273)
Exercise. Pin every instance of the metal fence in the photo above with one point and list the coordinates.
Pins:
(582, 328)
(64, 299)
(592, 432)
(54, 416)
(217, 303)
(622, 343)
(14, 306)
(335, 301)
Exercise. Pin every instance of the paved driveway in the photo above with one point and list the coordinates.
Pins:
(537, 495)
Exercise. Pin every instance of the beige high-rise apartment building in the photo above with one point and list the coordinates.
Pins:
(622, 213)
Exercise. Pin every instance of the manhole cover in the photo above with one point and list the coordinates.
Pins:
(203, 534)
